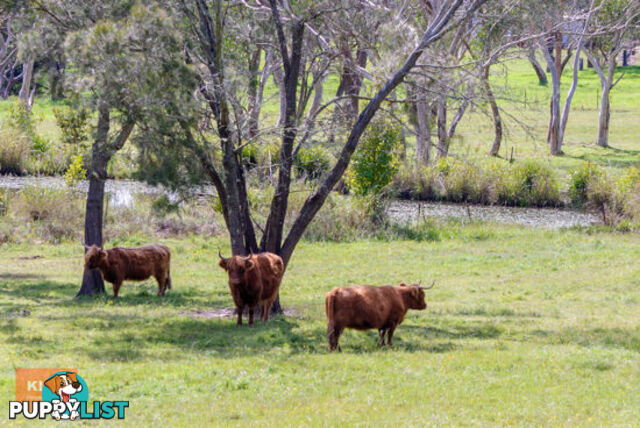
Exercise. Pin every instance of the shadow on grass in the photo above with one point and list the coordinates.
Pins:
(608, 156)
(41, 292)
(6, 276)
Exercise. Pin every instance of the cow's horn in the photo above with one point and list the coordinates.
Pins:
(429, 287)
(220, 255)
(246, 259)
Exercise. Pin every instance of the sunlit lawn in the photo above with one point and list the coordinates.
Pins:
(524, 327)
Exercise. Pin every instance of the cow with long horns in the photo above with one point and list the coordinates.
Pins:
(254, 281)
(363, 307)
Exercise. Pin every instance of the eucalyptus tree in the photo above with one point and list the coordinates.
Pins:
(125, 59)
(304, 44)
(615, 26)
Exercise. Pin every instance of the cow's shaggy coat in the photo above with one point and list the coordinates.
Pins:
(136, 264)
(254, 281)
(363, 307)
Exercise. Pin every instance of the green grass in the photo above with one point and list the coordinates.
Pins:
(524, 327)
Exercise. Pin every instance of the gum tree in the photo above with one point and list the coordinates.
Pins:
(298, 33)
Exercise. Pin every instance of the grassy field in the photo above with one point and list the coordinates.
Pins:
(524, 327)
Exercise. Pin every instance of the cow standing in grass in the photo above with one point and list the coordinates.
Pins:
(136, 264)
(363, 307)
(254, 281)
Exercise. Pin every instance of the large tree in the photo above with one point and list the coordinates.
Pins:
(614, 27)
(300, 33)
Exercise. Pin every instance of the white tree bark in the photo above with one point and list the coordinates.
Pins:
(27, 77)
(555, 145)
(574, 81)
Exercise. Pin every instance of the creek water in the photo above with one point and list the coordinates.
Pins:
(122, 193)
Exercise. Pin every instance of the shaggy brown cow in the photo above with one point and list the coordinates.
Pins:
(363, 307)
(253, 280)
(137, 264)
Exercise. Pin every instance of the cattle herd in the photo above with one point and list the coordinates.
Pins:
(254, 282)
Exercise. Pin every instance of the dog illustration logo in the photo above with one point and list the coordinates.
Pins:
(65, 387)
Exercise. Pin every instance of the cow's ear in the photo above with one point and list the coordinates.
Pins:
(402, 284)
(103, 253)
(223, 263)
(249, 264)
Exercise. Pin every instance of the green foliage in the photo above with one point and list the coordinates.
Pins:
(580, 180)
(376, 161)
(74, 125)
(531, 184)
(53, 214)
(14, 151)
(162, 206)
(22, 119)
(75, 172)
(312, 163)
(250, 155)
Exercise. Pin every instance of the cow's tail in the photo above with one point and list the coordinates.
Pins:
(168, 281)
(329, 307)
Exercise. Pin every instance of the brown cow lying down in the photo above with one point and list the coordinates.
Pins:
(364, 307)
(253, 280)
(136, 264)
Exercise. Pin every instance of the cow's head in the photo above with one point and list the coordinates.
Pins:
(415, 298)
(93, 256)
(236, 267)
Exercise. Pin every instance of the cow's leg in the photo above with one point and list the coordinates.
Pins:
(251, 316)
(334, 337)
(116, 288)
(161, 285)
(239, 310)
(390, 334)
(381, 333)
(266, 311)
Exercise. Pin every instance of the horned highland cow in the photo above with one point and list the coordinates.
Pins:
(254, 281)
(136, 264)
(364, 307)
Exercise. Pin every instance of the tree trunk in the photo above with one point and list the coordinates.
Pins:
(278, 76)
(27, 77)
(495, 111)
(555, 145)
(604, 116)
(56, 79)
(443, 140)
(254, 83)
(542, 75)
(92, 282)
(423, 137)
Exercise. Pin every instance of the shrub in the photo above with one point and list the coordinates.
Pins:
(75, 172)
(466, 182)
(14, 151)
(375, 161)
(412, 183)
(629, 181)
(579, 182)
(162, 206)
(56, 213)
(74, 126)
(312, 163)
(250, 156)
(530, 184)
